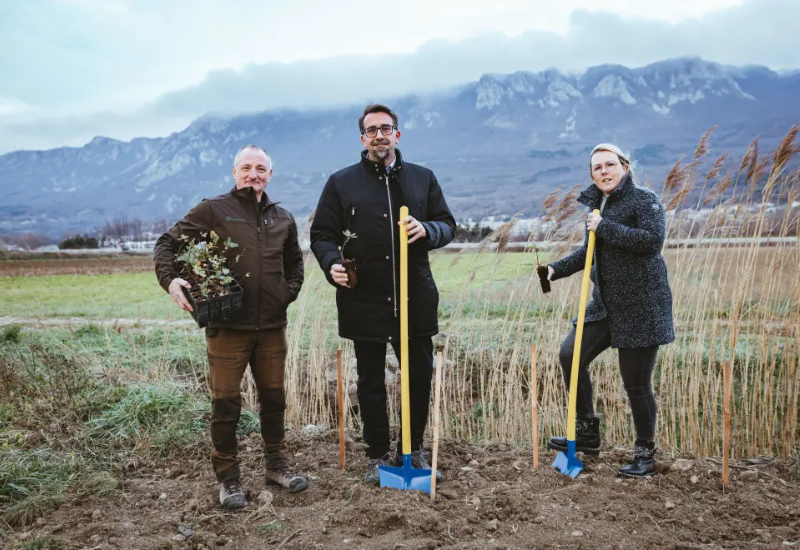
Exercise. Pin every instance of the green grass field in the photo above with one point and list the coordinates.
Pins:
(138, 295)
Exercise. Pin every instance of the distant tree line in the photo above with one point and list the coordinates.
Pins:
(471, 234)
(78, 241)
(116, 232)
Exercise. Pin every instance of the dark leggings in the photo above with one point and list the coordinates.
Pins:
(635, 365)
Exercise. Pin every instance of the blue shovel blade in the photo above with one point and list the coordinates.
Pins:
(405, 477)
(567, 463)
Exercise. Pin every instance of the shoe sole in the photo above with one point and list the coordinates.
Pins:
(234, 506)
(630, 476)
(584, 450)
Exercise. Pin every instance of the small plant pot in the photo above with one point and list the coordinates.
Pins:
(352, 272)
(209, 312)
(541, 270)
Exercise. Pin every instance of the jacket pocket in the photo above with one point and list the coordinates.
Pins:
(350, 218)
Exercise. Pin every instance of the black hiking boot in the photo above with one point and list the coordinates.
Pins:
(231, 495)
(643, 463)
(373, 476)
(419, 460)
(587, 437)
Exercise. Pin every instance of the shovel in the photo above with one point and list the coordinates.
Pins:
(567, 463)
(404, 477)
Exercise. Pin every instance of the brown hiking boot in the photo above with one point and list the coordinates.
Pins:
(279, 473)
(231, 495)
(285, 477)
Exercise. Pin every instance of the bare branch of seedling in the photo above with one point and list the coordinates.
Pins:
(347, 236)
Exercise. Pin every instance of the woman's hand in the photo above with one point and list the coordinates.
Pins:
(550, 273)
(592, 221)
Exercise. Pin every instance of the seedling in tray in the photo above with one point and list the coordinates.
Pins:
(215, 295)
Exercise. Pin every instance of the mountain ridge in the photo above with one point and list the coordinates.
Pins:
(489, 142)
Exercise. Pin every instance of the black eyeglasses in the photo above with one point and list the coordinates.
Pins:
(372, 131)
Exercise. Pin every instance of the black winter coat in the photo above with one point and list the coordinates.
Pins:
(631, 288)
(362, 199)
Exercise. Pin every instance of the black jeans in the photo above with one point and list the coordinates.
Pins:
(371, 364)
(635, 365)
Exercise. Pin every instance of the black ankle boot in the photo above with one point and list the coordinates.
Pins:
(587, 437)
(643, 463)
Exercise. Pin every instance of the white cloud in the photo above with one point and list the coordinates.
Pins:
(12, 106)
(124, 68)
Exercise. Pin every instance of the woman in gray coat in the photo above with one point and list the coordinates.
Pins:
(631, 307)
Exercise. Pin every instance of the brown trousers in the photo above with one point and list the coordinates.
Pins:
(229, 353)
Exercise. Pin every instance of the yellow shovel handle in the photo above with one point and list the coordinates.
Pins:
(404, 398)
(576, 354)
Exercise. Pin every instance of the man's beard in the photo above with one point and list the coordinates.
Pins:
(382, 153)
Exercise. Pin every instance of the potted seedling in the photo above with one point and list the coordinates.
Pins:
(349, 265)
(541, 270)
(215, 294)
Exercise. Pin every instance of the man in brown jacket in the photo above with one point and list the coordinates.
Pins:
(270, 271)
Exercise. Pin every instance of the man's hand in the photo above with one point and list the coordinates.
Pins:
(592, 221)
(175, 290)
(339, 275)
(414, 228)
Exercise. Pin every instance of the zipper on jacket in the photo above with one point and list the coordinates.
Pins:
(260, 267)
(391, 230)
(258, 219)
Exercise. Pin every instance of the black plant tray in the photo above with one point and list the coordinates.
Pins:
(213, 311)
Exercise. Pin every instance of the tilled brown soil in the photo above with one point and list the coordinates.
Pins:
(490, 498)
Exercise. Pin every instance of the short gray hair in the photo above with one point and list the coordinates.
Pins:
(252, 146)
(624, 158)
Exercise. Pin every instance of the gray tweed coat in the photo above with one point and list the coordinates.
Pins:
(631, 289)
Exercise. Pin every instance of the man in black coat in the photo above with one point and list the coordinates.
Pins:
(365, 199)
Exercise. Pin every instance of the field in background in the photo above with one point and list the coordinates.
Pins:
(491, 311)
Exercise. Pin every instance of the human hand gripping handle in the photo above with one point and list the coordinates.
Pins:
(413, 227)
(592, 221)
(175, 290)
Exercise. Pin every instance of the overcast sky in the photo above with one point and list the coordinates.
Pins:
(73, 69)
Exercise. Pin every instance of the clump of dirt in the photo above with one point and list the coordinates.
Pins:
(491, 497)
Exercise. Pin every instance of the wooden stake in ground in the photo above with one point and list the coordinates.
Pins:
(340, 401)
(726, 412)
(437, 390)
(534, 408)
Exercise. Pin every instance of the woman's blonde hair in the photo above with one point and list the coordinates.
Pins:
(623, 158)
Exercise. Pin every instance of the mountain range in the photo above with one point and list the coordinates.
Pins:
(497, 145)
